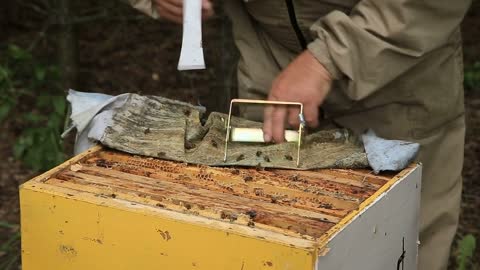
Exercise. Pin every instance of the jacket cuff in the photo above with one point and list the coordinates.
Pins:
(319, 49)
(145, 6)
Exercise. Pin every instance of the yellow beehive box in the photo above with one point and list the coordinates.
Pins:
(110, 210)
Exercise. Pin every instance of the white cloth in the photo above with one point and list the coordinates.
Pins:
(388, 155)
(91, 115)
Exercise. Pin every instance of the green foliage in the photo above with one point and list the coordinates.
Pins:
(466, 251)
(30, 92)
(472, 76)
(9, 249)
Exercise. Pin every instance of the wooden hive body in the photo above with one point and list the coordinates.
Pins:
(110, 210)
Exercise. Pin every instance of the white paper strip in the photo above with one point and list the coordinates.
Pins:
(256, 135)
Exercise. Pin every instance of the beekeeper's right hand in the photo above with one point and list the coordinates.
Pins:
(172, 10)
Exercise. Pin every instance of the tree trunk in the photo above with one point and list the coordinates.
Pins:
(226, 65)
(67, 45)
(8, 11)
(3, 17)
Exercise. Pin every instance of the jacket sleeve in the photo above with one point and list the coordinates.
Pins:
(382, 39)
(145, 6)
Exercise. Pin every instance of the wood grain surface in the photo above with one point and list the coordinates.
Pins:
(172, 130)
(297, 203)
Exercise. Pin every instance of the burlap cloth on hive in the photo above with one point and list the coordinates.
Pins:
(169, 129)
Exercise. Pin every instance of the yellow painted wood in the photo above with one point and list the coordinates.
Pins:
(72, 230)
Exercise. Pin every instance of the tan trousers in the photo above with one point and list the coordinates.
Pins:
(442, 158)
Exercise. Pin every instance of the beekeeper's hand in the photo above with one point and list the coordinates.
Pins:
(172, 10)
(304, 80)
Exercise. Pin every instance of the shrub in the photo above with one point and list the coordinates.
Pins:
(466, 251)
(31, 95)
(472, 76)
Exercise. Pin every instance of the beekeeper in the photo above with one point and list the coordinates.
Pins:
(394, 66)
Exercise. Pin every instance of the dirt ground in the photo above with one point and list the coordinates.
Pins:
(129, 53)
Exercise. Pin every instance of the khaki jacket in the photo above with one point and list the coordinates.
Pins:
(397, 64)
